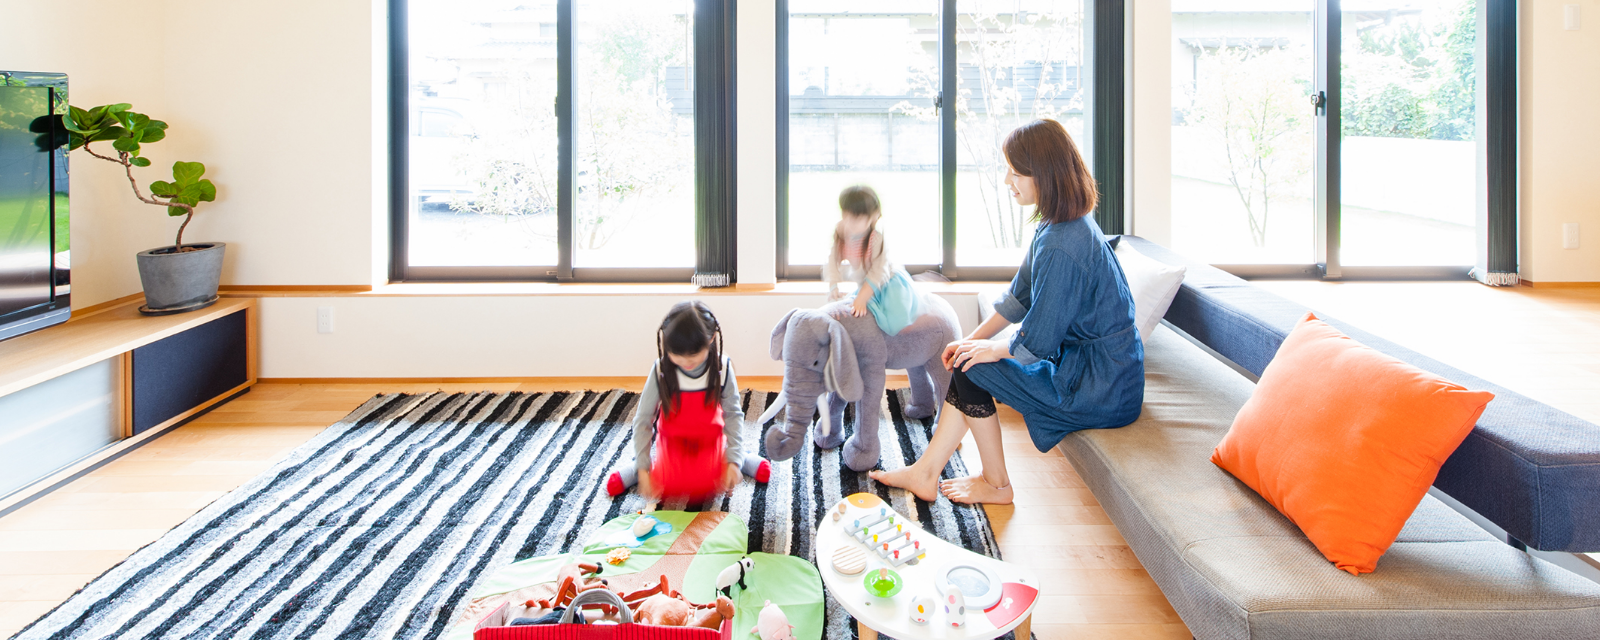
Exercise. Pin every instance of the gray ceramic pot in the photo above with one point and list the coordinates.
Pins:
(185, 281)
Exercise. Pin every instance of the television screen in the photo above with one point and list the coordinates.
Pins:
(25, 246)
(33, 202)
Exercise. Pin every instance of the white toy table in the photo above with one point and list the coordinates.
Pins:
(1018, 588)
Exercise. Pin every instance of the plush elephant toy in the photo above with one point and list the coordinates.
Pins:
(828, 352)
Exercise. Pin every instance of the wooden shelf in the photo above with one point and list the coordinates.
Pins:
(112, 333)
(34, 358)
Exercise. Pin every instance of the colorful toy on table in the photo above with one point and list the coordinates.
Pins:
(850, 560)
(734, 574)
(773, 624)
(882, 583)
(922, 609)
(887, 536)
(955, 606)
(977, 583)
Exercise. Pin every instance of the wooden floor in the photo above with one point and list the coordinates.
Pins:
(1542, 343)
(1545, 344)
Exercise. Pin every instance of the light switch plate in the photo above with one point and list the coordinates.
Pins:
(1569, 235)
(324, 319)
(1571, 17)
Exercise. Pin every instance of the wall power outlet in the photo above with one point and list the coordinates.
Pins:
(1569, 235)
(324, 319)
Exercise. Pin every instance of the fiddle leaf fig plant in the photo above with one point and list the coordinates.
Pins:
(128, 132)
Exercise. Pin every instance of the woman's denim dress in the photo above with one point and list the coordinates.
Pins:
(1078, 362)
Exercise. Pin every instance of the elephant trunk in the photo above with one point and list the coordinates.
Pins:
(800, 390)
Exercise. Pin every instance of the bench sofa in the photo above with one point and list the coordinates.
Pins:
(1233, 567)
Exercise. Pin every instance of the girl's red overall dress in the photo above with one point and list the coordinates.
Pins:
(690, 448)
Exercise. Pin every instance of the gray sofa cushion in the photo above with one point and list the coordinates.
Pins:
(1527, 467)
(1233, 567)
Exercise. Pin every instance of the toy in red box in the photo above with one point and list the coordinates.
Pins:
(495, 626)
(683, 564)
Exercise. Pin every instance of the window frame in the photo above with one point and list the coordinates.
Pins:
(1497, 28)
(714, 212)
(1106, 118)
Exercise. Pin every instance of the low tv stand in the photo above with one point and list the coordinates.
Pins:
(78, 394)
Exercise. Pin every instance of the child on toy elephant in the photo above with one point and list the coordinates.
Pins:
(691, 411)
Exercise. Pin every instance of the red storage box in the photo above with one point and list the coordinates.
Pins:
(492, 626)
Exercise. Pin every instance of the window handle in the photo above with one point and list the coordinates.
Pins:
(1319, 103)
(938, 101)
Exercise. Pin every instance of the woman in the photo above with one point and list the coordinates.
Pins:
(1075, 363)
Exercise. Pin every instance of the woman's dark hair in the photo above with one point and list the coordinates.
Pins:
(1042, 150)
(688, 328)
(859, 200)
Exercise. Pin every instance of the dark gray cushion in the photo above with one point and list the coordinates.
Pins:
(1527, 467)
(1233, 567)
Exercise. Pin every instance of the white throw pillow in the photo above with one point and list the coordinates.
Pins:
(1153, 284)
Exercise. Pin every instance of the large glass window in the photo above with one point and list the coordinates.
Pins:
(549, 139)
(1409, 156)
(868, 86)
(1372, 162)
(635, 89)
(861, 90)
(483, 145)
(1017, 62)
(1242, 164)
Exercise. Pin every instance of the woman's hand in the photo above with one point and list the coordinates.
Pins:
(965, 353)
(730, 477)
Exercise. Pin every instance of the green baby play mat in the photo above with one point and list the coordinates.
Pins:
(698, 548)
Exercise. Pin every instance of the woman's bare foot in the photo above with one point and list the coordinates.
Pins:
(922, 485)
(975, 490)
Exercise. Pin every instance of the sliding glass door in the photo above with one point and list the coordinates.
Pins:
(861, 111)
(915, 97)
(1242, 132)
(1320, 138)
(557, 140)
(1409, 153)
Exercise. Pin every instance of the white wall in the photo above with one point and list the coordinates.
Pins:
(512, 336)
(757, 88)
(1560, 75)
(274, 97)
(1150, 132)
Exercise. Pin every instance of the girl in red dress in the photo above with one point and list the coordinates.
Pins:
(691, 411)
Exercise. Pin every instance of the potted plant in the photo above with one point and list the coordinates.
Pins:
(181, 277)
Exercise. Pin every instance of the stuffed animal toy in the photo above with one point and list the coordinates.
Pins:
(772, 624)
(663, 610)
(734, 574)
(662, 586)
(712, 617)
(674, 611)
(841, 358)
(571, 581)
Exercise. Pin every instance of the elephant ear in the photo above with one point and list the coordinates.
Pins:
(778, 332)
(841, 374)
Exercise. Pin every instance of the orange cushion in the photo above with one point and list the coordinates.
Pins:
(1345, 440)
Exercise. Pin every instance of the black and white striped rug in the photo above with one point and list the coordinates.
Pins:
(379, 526)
